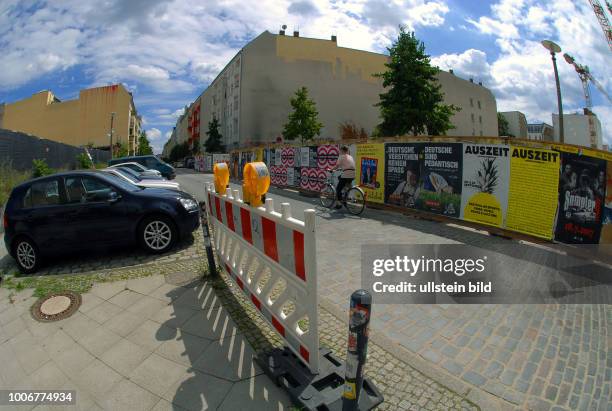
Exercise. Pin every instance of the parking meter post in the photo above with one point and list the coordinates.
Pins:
(212, 267)
(357, 350)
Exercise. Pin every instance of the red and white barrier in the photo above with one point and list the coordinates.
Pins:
(272, 258)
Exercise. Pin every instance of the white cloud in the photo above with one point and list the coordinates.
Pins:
(469, 64)
(156, 139)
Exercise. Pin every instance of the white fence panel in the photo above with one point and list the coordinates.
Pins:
(272, 258)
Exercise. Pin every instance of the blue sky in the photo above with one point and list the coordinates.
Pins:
(167, 52)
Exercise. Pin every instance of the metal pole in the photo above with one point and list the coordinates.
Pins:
(559, 103)
(212, 267)
(357, 352)
(111, 134)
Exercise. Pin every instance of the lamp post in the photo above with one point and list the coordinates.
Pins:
(111, 133)
(554, 48)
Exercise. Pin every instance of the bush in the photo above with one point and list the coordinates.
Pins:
(82, 161)
(40, 168)
(9, 178)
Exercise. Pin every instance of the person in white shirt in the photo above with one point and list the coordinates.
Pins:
(347, 165)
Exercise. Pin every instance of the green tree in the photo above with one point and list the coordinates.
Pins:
(120, 150)
(213, 142)
(503, 127)
(303, 122)
(179, 151)
(83, 161)
(412, 103)
(144, 147)
(40, 168)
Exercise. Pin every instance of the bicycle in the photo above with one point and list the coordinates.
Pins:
(353, 198)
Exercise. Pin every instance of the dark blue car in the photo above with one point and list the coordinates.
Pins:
(88, 209)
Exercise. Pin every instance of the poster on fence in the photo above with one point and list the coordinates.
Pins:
(533, 195)
(402, 173)
(370, 164)
(327, 156)
(486, 181)
(582, 186)
(606, 224)
(312, 178)
(278, 157)
(278, 176)
(441, 179)
(288, 156)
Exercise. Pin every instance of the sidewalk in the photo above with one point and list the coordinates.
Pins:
(173, 341)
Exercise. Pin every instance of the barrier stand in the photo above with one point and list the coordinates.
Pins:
(212, 267)
(254, 243)
(357, 352)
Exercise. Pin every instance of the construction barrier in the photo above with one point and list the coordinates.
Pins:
(272, 258)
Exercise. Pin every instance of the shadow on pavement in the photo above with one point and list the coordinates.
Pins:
(223, 374)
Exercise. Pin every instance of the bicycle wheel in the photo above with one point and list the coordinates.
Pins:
(355, 201)
(328, 196)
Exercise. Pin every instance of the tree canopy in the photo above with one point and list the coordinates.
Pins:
(144, 147)
(213, 142)
(302, 122)
(413, 100)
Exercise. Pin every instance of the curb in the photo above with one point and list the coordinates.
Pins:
(481, 398)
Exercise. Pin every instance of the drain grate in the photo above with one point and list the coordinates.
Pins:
(56, 307)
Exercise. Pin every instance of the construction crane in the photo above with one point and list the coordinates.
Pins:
(585, 76)
(603, 20)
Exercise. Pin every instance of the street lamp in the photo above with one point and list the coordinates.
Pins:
(111, 133)
(554, 48)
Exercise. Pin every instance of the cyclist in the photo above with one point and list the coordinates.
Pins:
(347, 165)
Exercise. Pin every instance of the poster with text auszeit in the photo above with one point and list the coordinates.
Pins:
(532, 199)
(582, 191)
(486, 177)
(440, 184)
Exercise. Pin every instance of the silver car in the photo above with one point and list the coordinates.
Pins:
(134, 178)
(139, 168)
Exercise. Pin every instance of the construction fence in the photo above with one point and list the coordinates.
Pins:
(550, 191)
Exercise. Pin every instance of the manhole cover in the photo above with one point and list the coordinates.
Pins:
(56, 307)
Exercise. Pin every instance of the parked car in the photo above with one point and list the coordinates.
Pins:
(142, 176)
(150, 162)
(133, 178)
(139, 168)
(189, 162)
(75, 210)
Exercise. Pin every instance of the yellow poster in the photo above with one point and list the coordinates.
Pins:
(370, 164)
(533, 196)
(259, 154)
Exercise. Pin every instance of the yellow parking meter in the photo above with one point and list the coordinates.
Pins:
(256, 183)
(221, 172)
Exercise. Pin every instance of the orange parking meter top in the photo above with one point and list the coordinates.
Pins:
(221, 172)
(256, 182)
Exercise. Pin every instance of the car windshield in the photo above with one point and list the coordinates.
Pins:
(132, 166)
(120, 182)
(131, 174)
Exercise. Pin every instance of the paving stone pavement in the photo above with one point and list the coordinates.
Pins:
(137, 344)
(537, 357)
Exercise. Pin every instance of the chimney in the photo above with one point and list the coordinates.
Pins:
(281, 32)
(334, 38)
(296, 33)
(480, 83)
(471, 80)
(451, 71)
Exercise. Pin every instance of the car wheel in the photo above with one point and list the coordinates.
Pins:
(157, 234)
(27, 255)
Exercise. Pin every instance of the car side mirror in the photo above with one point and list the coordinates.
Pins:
(113, 197)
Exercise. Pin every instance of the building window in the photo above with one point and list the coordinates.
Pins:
(471, 102)
(479, 107)
(480, 119)
(473, 132)
(472, 117)
(480, 133)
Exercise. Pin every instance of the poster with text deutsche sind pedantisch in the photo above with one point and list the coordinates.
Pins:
(606, 224)
(582, 191)
(440, 184)
(486, 176)
(370, 164)
(532, 199)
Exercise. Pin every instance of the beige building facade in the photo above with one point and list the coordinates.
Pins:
(517, 123)
(79, 122)
(576, 130)
(250, 97)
